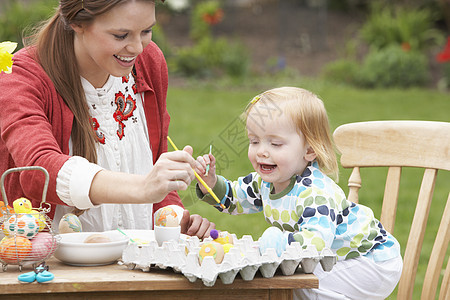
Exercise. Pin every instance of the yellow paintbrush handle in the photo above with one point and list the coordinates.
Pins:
(199, 178)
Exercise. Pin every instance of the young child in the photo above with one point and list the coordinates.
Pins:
(292, 153)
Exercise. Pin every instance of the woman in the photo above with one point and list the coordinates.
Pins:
(86, 100)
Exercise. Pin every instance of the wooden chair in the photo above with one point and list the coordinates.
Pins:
(397, 144)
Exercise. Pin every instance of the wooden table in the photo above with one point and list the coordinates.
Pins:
(118, 282)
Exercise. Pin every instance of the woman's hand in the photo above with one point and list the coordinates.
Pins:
(195, 225)
(210, 178)
(173, 171)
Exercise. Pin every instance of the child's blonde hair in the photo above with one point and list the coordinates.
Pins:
(310, 118)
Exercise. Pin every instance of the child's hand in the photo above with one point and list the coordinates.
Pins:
(202, 165)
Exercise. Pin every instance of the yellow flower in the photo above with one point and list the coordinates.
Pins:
(6, 50)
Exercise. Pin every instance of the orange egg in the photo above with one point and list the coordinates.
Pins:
(166, 216)
(14, 249)
(5, 209)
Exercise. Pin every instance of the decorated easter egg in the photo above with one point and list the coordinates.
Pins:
(222, 237)
(272, 237)
(70, 223)
(97, 238)
(42, 245)
(5, 209)
(227, 247)
(21, 225)
(40, 218)
(211, 249)
(14, 249)
(166, 217)
(23, 206)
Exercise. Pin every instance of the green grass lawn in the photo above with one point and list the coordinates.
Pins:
(204, 114)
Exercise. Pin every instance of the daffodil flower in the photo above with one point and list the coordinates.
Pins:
(6, 50)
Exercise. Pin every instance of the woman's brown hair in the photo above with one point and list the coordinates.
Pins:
(54, 41)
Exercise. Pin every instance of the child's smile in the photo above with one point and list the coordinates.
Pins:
(276, 150)
(267, 168)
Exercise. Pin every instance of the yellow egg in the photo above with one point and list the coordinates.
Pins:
(227, 247)
(211, 249)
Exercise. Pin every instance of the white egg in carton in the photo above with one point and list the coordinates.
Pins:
(243, 258)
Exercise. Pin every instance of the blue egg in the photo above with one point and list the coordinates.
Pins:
(272, 237)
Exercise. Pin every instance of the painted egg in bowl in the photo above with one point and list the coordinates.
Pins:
(91, 248)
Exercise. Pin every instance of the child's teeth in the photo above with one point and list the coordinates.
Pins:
(265, 167)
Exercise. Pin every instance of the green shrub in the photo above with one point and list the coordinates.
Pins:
(388, 25)
(341, 71)
(189, 61)
(393, 67)
(446, 71)
(211, 57)
(16, 16)
(160, 39)
(235, 59)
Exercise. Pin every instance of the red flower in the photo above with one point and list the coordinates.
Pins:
(444, 55)
(213, 18)
(406, 46)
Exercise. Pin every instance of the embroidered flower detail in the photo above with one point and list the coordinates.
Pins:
(100, 136)
(124, 110)
(134, 88)
(125, 79)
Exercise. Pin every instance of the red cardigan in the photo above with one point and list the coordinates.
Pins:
(35, 123)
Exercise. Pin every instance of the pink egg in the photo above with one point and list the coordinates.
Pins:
(43, 245)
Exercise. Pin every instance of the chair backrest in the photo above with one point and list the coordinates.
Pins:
(397, 144)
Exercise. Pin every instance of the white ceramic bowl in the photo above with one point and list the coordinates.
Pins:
(73, 250)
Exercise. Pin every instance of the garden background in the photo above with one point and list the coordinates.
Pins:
(367, 60)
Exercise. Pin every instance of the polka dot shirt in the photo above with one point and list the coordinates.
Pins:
(312, 210)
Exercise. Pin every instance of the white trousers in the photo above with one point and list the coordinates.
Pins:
(356, 278)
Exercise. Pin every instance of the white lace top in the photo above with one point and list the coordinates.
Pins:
(119, 120)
